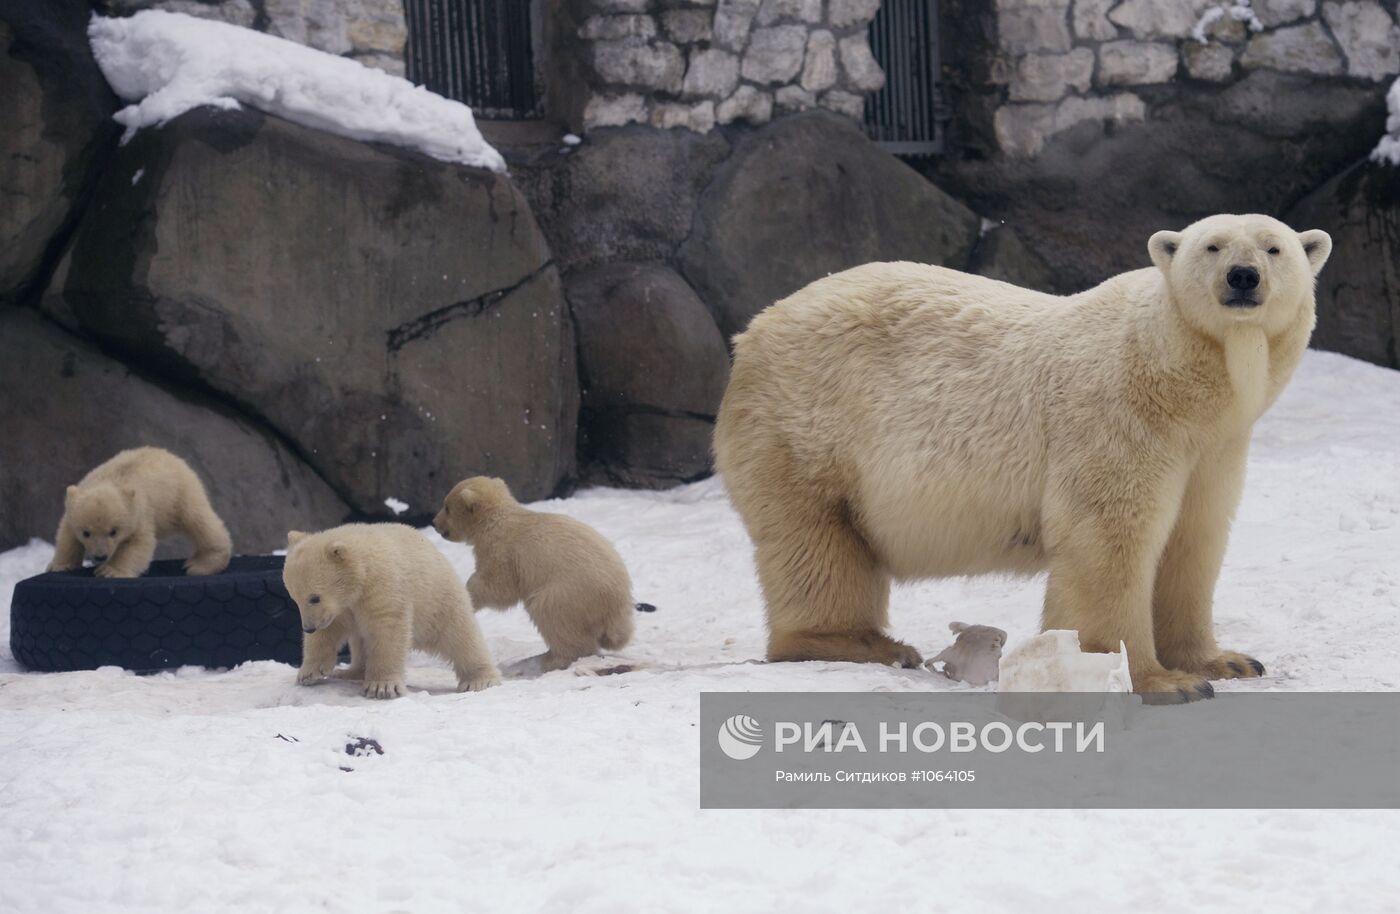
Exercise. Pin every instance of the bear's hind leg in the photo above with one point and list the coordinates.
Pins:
(827, 596)
(213, 547)
(462, 643)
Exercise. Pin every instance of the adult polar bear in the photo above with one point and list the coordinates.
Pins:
(906, 421)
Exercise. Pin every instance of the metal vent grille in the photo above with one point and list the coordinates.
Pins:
(906, 117)
(480, 52)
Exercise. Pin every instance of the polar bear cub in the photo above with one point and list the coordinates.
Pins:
(383, 589)
(899, 421)
(571, 580)
(118, 512)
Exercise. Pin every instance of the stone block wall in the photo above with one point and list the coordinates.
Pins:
(1060, 63)
(370, 31)
(698, 63)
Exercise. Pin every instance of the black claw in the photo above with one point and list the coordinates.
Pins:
(1206, 689)
(1236, 668)
(1258, 667)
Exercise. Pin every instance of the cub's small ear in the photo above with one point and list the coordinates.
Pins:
(1317, 244)
(294, 537)
(1161, 247)
(957, 627)
(337, 551)
(69, 494)
(467, 499)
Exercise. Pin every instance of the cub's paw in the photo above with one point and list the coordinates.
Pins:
(307, 675)
(55, 567)
(479, 683)
(1230, 665)
(1172, 687)
(106, 570)
(200, 565)
(383, 688)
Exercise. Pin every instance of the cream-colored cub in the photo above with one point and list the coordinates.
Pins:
(900, 421)
(571, 579)
(383, 589)
(120, 510)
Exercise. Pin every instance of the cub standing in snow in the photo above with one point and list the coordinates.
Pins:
(119, 511)
(571, 580)
(384, 589)
(901, 421)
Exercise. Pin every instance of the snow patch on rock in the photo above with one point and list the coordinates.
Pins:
(165, 64)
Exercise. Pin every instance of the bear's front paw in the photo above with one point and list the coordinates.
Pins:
(1229, 665)
(1171, 687)
(383, 688)
(57, 568)
(479, 683)
(108, 570)
(307, 675)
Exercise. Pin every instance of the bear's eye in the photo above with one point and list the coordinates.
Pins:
(1214, 249)
(314, 599)
(1273, 250)
(114, 532)
(87, 533)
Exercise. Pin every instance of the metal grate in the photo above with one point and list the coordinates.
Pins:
(906, 117)
(480, 52)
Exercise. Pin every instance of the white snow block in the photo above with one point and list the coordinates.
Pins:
(1053, 662)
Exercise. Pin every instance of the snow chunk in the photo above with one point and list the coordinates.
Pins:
(1240, 11)
(168, 63)
(1387, 152)
(393, 504)
(1053, 662)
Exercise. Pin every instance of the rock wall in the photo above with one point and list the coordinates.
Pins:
(699, 63)
(1087, 125)
(370, 31)
(1067, 62)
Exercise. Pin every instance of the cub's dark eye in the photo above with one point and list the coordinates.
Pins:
(114, 532)
(1214, 249)
(87, 533)
(314, 600)
(1273, 250)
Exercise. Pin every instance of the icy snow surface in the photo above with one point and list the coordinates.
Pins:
(223, 791)
(167, 63)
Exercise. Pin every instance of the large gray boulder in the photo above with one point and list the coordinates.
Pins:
(806, 196)
(627, 193)
(398, 318)
(653, 367)
(1358, 292)
(55, 116)
(68, 407)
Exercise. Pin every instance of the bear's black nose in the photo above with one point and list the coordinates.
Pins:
(1243, 278)
(99, 558)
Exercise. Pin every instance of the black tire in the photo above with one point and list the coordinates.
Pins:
(166, 619)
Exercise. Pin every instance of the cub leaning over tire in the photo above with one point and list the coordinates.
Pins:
(902, 421)
(120, 510)
(382, 588)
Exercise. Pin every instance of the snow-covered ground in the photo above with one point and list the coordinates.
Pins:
(169, 63)
(214, 791)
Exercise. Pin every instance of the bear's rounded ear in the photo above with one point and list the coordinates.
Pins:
(337, 551)
(1317, 244)
(294, 537)
(129, 494)
(69, 494)
(466, 499)
(1161, 247)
